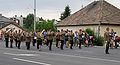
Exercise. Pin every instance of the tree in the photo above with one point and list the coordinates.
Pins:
(46, 24)
(66, 13)
(29, 21)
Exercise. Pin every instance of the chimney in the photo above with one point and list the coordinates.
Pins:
(21, 16)
(0, 14)
(15, 15)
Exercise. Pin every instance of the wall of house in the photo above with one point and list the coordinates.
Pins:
(77, 28)
(11, 26)
(94, 28)
(115, 28)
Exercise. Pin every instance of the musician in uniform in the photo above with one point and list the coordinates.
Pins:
(62, 39)
(6, 35)
(34, 38)
(39, 41)
(57, 38)
(15, 38)
(107, 37)
(80, 38)
(11, 39)
(42, 37)
(19, 39)
(28, 40)
(71, 39)
(66, 39)
(50, 39)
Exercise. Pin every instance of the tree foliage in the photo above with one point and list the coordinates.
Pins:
(90, 32)
(66, 13)
(29, 21)
(47, 25)
(40, 25)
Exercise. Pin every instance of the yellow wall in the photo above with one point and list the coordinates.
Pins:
(11, 26)
(115, 28)
(93, 27)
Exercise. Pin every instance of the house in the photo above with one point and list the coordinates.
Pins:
(18, 20)
(6, 23)
(98, 15)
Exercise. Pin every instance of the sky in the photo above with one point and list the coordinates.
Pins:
(48, 9)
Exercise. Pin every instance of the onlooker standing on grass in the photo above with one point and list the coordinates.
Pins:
(107, 37)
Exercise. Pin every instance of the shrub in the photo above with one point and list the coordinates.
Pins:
(98, 40)
(90, 32)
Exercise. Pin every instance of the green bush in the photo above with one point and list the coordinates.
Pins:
(98, 40)
(89, 31)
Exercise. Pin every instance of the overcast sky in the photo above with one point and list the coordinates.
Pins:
(48, 9)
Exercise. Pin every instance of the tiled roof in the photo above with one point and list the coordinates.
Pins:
(95, 13)
(5, 21)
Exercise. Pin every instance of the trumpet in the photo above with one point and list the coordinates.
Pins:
(8, 30)
(42, 32)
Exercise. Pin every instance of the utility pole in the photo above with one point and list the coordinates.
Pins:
(34, 15)
(100, 15)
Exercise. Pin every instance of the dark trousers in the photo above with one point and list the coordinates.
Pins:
(6, 42)
(107, 47)
(80, 43)
(39, 42)
(38, 45)
(19, 43)
(34, 41)
(62, 44)
(57, 42)
(11, 43)
(47, 42)
(50, 44)
(116, 44)
(16, 42)
(28, 45)
(71, 44)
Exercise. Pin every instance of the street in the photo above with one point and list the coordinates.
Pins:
(85, 56)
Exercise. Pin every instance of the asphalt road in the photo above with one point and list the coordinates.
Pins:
(84, 56)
